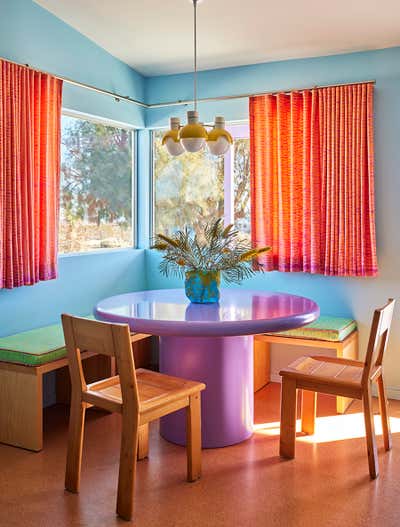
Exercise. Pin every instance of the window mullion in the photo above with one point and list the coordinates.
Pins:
(229, 214)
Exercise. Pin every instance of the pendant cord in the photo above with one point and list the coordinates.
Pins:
(195, 52)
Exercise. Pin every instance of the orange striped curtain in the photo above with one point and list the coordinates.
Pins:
(312, 180)
(30, 127)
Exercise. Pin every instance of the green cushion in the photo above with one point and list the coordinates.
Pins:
(34, 347)
(333, 329)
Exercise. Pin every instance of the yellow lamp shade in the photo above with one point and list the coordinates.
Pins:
(193, 136)
(171, 138)
(219, 140)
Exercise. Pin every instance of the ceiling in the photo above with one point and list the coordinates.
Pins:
(155, 36)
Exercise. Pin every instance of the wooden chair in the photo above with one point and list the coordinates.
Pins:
(139, 396)
(338, 376)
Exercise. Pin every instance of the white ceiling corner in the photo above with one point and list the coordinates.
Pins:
(155, 36)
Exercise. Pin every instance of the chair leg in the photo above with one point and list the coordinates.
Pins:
(143, 442)
(308, 411)
(383, 405)
(193, 440)
(370, 434)
(288, 418)
(127, 466)
(75, 444)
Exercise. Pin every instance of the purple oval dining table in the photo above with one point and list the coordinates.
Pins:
(211, 343)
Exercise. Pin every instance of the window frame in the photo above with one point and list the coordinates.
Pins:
(238, 130)
(134, 220)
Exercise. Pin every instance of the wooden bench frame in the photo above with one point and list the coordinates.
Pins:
(347, 349)
(21, 394)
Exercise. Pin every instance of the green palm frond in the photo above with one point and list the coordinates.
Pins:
(228, 231)
(217, 248)
(170, 241)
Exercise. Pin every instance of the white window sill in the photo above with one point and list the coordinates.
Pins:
(93, 252)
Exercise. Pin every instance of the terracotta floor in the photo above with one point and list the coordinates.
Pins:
(244, 485)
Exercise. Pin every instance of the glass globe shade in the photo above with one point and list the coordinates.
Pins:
(171, 138)
(193, 144)
(219, 147)
(219, 140)
(174, 147)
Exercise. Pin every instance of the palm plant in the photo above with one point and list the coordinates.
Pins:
(219, 250)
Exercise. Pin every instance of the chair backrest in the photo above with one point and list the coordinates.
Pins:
(378, 339)
(82, 334)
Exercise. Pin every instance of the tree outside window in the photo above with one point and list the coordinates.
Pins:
(96, 186)
(194, 188)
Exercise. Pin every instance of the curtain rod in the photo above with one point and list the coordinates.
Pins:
(114, 95)
(126, 98)
(247, 95)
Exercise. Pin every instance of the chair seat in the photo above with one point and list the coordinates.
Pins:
(319, 369)
(331, 329)
(40, 346)
(34, 347)
(155, 389)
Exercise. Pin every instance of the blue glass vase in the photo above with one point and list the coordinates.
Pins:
(202, 287)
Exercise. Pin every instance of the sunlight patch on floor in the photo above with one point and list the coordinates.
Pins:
(331, 428)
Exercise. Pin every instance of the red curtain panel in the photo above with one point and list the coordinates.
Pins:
(312, 180)
(30, 130)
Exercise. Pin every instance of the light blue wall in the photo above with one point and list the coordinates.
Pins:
(382, 65)
(83, 281)
(337, 296)
(30, 34)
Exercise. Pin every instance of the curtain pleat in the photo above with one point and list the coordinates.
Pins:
(30, 132)
(312, 180)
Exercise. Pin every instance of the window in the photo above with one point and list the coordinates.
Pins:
(96, 185)
(193, 188)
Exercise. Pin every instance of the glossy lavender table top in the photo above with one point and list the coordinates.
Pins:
(240, 312)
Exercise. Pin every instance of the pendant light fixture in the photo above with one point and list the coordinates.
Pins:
(193, 136)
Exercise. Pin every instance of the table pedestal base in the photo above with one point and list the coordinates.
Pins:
(225, 365)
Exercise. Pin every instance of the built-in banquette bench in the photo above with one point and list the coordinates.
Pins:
(24, 359)
(334, 333)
